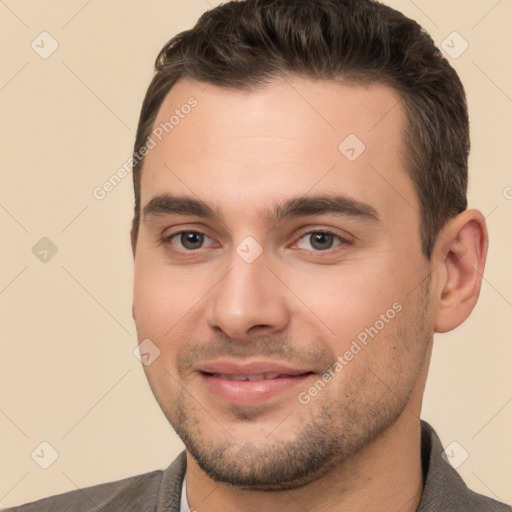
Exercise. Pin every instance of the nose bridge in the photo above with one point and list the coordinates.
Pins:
(247, 297)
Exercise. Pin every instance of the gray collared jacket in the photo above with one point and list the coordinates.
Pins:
(160, 491)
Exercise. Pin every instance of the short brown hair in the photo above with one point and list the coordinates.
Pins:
(247, 44)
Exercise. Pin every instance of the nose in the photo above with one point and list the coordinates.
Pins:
(248, 302)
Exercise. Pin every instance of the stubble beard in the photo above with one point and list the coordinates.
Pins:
(343, 419)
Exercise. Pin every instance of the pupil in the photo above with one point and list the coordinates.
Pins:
(322, 241)
(192, 240)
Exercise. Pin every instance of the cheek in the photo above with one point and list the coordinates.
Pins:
(350, 298)
(164, 296)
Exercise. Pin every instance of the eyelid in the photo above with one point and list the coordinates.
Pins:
(171, 231)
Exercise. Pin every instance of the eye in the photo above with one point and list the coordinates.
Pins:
(189, 240)
(319, 241)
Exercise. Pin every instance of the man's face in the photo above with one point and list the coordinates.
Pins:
(269, 254)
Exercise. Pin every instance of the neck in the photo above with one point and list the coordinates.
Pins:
(385, 475)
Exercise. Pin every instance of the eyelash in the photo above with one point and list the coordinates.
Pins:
(342, 241)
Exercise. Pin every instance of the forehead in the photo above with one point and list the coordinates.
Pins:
(289, 138)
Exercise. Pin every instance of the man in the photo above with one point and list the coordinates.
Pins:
(301, 230)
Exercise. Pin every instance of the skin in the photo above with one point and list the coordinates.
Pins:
(355, 444)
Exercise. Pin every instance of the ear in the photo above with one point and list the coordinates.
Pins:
(459, 257)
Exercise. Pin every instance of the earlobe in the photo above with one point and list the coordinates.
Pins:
(459, 256)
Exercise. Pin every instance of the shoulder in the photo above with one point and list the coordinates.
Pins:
(126, 494)
(478, 502)
(140, 493)
(444, 489)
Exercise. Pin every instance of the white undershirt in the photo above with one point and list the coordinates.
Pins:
(184, 507)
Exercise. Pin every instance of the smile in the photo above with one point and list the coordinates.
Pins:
(248, 384)
(261, 376)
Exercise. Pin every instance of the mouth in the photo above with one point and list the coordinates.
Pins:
(252, 383)
(252, 378)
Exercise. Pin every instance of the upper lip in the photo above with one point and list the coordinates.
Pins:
(226, 367)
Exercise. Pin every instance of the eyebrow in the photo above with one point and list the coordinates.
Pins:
(167, 204)
(320, 205)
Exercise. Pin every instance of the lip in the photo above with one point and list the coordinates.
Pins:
(226, 367)
(217, 379)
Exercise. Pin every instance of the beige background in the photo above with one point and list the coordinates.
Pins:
(69, 376)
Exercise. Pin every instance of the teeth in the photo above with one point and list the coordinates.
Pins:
(234, 377)
(260, 376)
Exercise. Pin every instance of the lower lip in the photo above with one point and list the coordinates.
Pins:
(250, 393)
